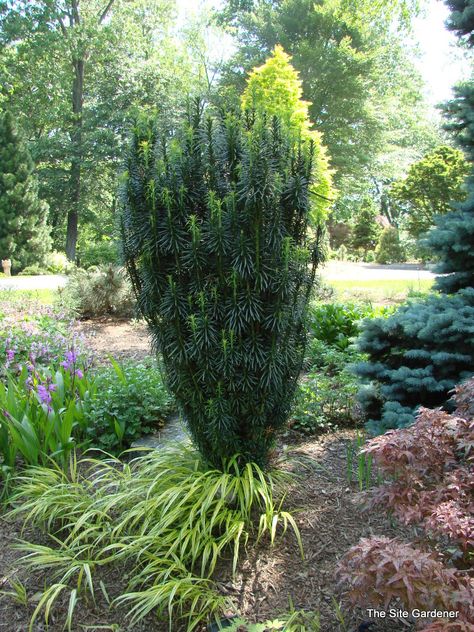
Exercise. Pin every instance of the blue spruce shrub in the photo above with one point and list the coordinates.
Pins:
(416, 356)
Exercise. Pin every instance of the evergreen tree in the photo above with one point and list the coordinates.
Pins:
(366, 230)
(421, 352)
(275, 88)
(215, 231)
(24, 236)
(390, 249)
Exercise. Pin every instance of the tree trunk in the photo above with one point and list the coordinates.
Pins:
(76, 162)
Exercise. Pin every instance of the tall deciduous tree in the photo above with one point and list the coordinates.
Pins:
(73, 28)
(430, 187)
(73, 72)
(24, 235)
(364, 93)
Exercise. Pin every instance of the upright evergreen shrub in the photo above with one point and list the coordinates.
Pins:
(366, 231)
(421, 352)
(275, 88)
(24, 234)
(216, 241)
(390, 249)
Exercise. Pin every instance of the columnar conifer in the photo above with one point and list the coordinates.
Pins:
(24, 235)
(275, 88)
(215, 233)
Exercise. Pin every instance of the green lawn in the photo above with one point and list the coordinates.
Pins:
(381, 291)
(17, 296)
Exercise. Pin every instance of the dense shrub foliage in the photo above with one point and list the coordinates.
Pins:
(53, 263)
(129, 401)
(416, 356)
(326, 401)
(366, 230)
(382, 572)
(24, 234)
(103, 291)
(216, 239)
(429, 474)
(98, 253)
(336, 323)
(327, 394)
(389, 248)
(431, 466)
(430, 187)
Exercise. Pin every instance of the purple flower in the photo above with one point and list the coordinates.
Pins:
(70, 360)
(10, 355)
(44, 394)
(79, 374)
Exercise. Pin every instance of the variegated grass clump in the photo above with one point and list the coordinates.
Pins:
(164, 515)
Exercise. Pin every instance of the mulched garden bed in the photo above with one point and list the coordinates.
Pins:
(328, 516)
(330, 522)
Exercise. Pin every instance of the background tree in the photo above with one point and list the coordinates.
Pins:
(427, 347)
(275, 88)
(390, 249)
(365, 94)
(430, 187)
(366, 232)
(24, 236)
(74, 73)
(216, 240)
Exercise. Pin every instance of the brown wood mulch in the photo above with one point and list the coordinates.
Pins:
(267, 580)
(328, 516)
(121, 339)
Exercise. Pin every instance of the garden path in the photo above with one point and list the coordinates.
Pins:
(348, 271)
(121, 339)
(39, 282)
(332, 271)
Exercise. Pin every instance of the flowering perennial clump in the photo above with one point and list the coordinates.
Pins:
(42, 411)
(35, 334)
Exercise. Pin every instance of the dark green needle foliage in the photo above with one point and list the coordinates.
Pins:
(461, 20)
(216, 241)
(421, 352)
(24, 235)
